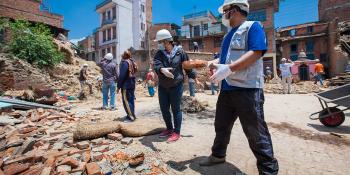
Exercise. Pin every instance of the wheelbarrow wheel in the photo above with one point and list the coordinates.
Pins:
(334, 120)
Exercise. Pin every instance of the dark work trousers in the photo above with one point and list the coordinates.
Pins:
(128, 96)
(171, 97)
(247, 105)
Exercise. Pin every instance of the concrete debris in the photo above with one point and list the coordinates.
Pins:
(192, 105)
(303, 87)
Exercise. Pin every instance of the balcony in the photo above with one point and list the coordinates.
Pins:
(108, 21)
(196, 15)
(215, 29)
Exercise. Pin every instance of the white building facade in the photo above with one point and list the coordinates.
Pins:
(121, 27)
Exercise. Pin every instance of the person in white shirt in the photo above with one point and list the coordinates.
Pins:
(286, 74)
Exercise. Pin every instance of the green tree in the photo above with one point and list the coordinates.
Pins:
(34, 43)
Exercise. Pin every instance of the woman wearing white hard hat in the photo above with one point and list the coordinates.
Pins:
(168, 66)
(110, 76)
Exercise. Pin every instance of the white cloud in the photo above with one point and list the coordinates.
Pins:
(75, 41)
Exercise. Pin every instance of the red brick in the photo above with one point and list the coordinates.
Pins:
(93, 169)
(83, 145)
(81, 167)
(15, 168)
(46, 171)
(115, 136)
(70, 161)
(86, 157)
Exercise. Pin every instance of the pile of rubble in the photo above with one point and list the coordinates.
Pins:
(344, 37)
(340, 79)
(19, 76)
(303, 87)
(192, 105)
(41, 141)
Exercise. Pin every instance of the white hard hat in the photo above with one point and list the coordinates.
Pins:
(243, 4)
(163, 34)
(283, 59)
(317, 60)
(267, 67)
(85, 65)
(109, 56)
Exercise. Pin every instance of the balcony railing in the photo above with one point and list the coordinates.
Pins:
(213, 30)
(196, 15)
(108, 21)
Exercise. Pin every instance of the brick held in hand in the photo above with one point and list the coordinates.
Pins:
(195, 64)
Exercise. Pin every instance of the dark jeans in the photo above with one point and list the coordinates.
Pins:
(128, 96)
(247, 105)
(171, 97)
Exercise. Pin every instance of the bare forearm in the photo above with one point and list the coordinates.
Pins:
(245, 60)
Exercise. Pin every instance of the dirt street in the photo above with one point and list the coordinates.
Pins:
(302, 146)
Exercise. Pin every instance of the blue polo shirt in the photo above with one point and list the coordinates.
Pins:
(256, 42)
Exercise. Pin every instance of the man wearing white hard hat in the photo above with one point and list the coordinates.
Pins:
(110, 77)
(286, 75)
(168, 66)
(240, 71)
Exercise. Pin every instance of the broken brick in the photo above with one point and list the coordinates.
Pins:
(46, 171)
(137, 159)
(15, 168)
(27, 130)
(97, 156)
(33, 170)
(70, 161)
(93, 169)
(86, 156)
(115, 136)
(103, 148)
(63, 168)
(83, 145)
(81, 167)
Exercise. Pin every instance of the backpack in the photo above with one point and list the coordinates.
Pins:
(133, 68)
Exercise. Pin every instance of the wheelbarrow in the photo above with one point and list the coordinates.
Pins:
(331, 115)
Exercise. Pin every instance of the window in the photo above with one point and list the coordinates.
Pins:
(143, 27)
(103, 52)
(142, 44)
(114, 32)
(205, 26)
(310, 29)
(109, 34)
(108, 50)
(109, 15)
(104, 16)
(310, 49)
(259, 15)
(104, 35)
(293, 32)
(293, 48)
(114, 51)
(114, 12)
(142, 8)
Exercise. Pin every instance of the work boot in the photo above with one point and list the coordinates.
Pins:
(212, 160)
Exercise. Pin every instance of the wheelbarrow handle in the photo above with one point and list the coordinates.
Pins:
(312, 116)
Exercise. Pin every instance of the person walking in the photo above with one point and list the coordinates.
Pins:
(127, 83)
(240, 69)
(286, 74)
(150, 82)
(319, 72)
(168, 66)
(195, 46)
(110, 77)
(268, 74)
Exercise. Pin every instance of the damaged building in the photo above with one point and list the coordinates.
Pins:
(318, 40)
(35, 11)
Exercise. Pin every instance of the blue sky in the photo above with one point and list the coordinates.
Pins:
(80, 16)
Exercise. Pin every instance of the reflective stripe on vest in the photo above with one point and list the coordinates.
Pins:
(251, 77)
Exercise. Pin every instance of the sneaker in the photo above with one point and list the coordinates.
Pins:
(127, 119)
(113, 108)
(165, 133)
(174, 137)
(212, 160)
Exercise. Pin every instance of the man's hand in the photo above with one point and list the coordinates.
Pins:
(167, 73)
(222, 71)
